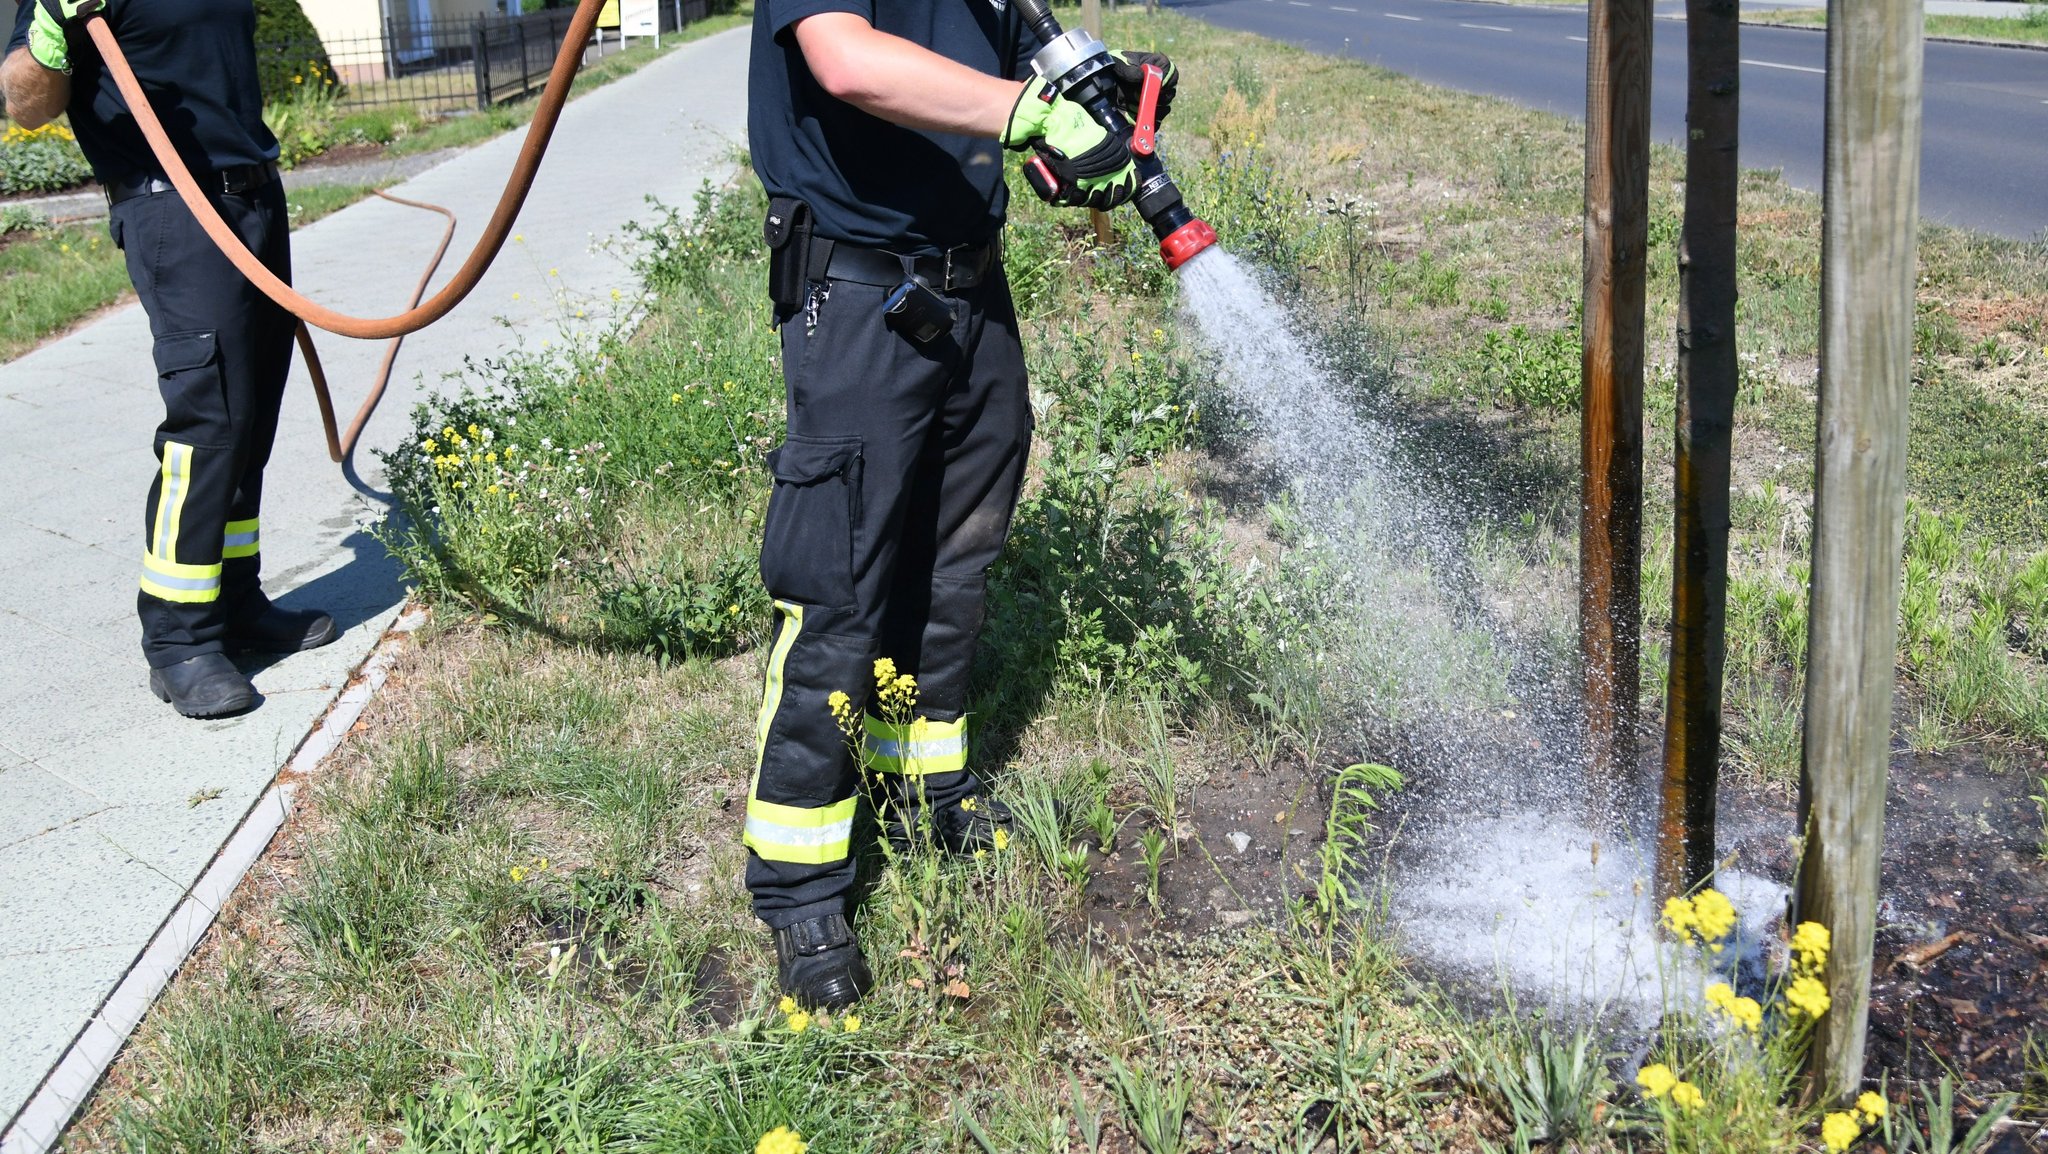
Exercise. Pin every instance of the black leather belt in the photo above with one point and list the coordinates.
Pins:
(231, 181)
(956, 268)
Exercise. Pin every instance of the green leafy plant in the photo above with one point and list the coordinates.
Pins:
(1152, 849)
(1346, 832)
(1552, 1086)
(1931, 1129)
(1155, 1108)
(43, 159)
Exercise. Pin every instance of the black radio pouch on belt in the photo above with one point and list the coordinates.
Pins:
(788, 232)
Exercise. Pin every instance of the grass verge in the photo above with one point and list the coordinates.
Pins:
(2031, 27)
(53, 275)
(510, 916)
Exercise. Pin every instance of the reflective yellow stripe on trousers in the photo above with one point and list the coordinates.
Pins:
(242, 539)
(789, 833)
(921, 747)
(163, 575)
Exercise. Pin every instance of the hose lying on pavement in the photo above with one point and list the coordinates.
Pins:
(416, 315)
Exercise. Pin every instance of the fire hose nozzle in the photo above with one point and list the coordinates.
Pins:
(1080, 69)
(1180, 246)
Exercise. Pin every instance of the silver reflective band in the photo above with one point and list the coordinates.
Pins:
(234, 539)
(937, 747)
(775, 833)
(156, 577)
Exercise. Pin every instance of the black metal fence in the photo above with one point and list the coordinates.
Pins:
(443, 65)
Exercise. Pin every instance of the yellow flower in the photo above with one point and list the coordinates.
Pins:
(1807, 996)
(1811, 942)
(1721, 994)
(969, 804)
(1678, 918)
(1840, 1131)
(838, 700)
(850, 1023)
(430, 445)
(885, 671)
(517, 873)
(1686, 1096)
(781, 1140)
(1871, 1105)
(798, 1022)
(1002, 839)
(1713, 914)
(787, 1005)
(1747, 1014)
(1656, 1079)
(675, 398)
(448, 431)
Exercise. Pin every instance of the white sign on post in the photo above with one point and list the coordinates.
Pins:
(640, 18)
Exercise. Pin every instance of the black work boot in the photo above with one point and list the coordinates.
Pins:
(820, 965)
(275, 630)
(208, 685)
(962, 825)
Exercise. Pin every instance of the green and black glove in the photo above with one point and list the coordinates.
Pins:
(1079, 163)
(46, 30)
(1130, 81)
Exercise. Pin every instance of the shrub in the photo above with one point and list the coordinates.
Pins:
(42, 159)
(289, 54)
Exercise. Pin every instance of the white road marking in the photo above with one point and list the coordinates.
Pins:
(1341, 8)
(1576, 39)
(1788, 67)
(1398, 16)
(1486, 27)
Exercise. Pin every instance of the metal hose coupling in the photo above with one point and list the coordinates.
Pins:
(1078, 67)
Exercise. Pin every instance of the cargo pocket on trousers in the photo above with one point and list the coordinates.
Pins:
(188, 375)
(813, 514)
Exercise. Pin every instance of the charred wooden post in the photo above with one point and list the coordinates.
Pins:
(1611, 412)
(1707, 379)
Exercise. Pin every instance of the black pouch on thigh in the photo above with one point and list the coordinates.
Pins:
(813, 515)
(188, 372)
(788, 233)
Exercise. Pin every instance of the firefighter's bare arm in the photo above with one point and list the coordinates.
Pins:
(902, 82)
(35, 95)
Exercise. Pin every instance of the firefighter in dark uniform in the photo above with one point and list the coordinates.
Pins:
(878, 131)
(222, 348)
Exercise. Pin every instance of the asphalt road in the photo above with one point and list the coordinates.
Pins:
(1984, 156)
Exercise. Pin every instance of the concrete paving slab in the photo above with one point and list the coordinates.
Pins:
(39, 802)
(43, 1006)
(83, 896)
(72, 889)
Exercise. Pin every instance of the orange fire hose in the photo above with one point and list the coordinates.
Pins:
(416, 315)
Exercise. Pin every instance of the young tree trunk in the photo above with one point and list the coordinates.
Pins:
(1611, 412)
(1707, 375)
(1871, 190)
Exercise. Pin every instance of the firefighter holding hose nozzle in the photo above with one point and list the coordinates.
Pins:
(878, 132)
(222, 348)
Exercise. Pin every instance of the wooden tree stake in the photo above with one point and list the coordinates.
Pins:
(1871, 209)
(1707, 378)
(1611, 415)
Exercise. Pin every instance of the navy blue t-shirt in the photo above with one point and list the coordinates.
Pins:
(197, 61)
(870, 182)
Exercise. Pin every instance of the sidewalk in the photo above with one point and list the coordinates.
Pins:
(110, 805)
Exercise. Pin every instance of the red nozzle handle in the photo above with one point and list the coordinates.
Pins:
(1039, 175)
(1145, 134)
